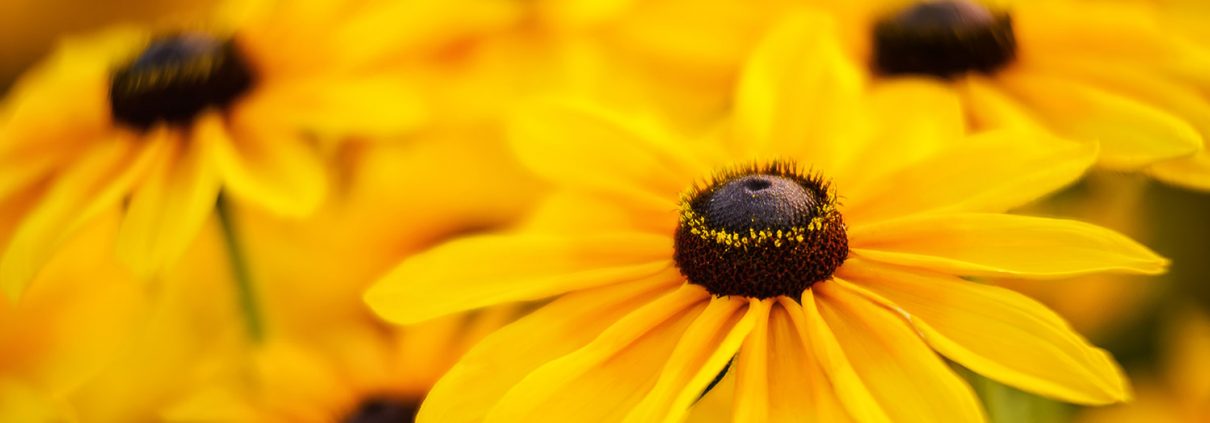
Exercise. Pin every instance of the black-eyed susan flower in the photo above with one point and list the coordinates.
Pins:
(826, 269)
(160, 122)
(1107, 72)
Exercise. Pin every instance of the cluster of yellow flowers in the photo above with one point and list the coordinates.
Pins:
(500, 210)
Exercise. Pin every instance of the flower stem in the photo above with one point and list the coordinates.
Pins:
(245, 292)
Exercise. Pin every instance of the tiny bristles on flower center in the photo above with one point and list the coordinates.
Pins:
(175, 78)
(760, 231)
(384, 410)
(944, 38)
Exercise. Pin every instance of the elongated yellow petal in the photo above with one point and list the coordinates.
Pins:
(779, 378)
(995, 332)
(336, 107)
(271, 167)
(990, 107)
(1131, 133)
(1192, 172)
(1071, 29)
(989, 172)
(703, 351)
(915, 118)
(606, 378)
(100, 179)
(168, 208)
(391, 29)
(491, 368)
(478, 271)
(76, 316)
(579, 146)
(1002, 245)
(799, 96)
(910, 382)
(1137, 82)
(858, 399)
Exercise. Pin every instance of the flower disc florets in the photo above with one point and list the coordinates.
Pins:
(760, 231)
(383, 410)
(944, 38)
(177, 77)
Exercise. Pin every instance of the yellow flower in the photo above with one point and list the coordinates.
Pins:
(161, 122)
(1181, 392)
(1107, 72)
(830, 290)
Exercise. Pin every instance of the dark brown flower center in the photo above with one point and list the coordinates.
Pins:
(944, 38)
(177, 77)
(384, 410)
(760, 232)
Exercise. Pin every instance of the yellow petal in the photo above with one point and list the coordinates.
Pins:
(990, 107)
(1191, 172)
(909, 381)
(337, 107)
(858, 399)
(996, 332)
(1071, 29)
(1132, 134)
(798, 96)
(491, 368)
(603, 380)
(389, 29)
(915, 118)
(100, 179)
(272, 168)
(78, 314)
(778, 377)
(473, 272)
(705, 349)
(583, 147)
(991, 171)
(35, 116)
(168, 208)
(1002, 245)
(1138, 83)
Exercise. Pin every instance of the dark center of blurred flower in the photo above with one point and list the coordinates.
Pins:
(384, 410)
(944, 38)
(760, 231)
(175, 78)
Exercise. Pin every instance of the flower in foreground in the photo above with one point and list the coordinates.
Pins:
(160, 122)
(830, 285)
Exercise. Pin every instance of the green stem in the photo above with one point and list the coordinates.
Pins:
(245, 292)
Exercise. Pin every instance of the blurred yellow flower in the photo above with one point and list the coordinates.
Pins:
(670, 256)
(1109, 72)
(162, 121)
